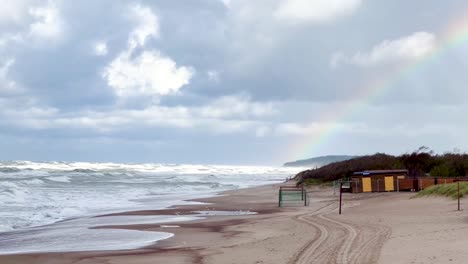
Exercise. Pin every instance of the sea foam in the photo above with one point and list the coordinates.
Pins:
(40, 193)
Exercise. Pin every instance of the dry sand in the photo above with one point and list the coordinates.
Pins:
(374, 228)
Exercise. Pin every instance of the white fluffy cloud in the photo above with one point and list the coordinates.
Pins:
(315, 11)
(409, 47)
(33, 23)
(48, 21)
(148, 74)
(147, 26)
(13, 11)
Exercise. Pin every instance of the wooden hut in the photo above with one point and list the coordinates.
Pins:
(377, 180)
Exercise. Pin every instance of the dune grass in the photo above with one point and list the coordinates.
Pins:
(447, 190)
(317, 182)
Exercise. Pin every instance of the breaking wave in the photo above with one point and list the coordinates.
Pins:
(39, 193)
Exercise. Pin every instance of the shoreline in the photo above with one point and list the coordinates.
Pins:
(36, 194)
(214, 202)
(372, 227)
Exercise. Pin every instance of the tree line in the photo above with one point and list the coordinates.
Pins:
(420, 163)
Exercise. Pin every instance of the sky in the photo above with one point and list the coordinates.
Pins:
(230, 81)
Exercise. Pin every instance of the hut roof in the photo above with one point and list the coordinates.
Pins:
(376, 172)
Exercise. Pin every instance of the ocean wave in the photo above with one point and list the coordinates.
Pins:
(37, 193)
(9, 169)
(32, 181)
(59, 179)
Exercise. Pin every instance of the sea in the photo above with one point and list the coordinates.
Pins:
(51, 206)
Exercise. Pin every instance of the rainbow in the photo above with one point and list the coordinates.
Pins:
(454, 35)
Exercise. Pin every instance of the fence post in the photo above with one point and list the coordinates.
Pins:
(341, 192)
(305, 198)
(279, 198)
(458, 195)
(398, 185)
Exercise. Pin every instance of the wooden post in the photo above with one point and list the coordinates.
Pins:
(458, 195)
(305, 198)
(279, 198)
(341, 194)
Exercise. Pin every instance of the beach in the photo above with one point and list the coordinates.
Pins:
(374, 228)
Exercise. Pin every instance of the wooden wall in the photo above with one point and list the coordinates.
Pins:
(407, 184)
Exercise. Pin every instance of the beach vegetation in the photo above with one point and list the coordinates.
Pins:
(316, 182)
(447, 190)
(420, 163)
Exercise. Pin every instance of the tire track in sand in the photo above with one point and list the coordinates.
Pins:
(351, 235)
(339, 242)
(315, 242)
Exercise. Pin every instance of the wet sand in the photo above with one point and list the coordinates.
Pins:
(374, 228)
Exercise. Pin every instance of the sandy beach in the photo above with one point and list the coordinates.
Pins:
(374, 228)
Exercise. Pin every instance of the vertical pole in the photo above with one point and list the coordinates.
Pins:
(305, 198)
(341, 194)
(398, 185)
(279, 198)
(458, 195)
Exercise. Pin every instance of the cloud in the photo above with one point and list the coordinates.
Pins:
(48, 21)
(228, 115)
(409, 47)
(188, 74)
(236, 106)
(147, 26)
(318, 11)
(100, 48)
(13, 11)
(288, 128)
(7, 86)
(262, 131)
(227, 3)
(25, 22)
(213, 76)
(150, 73)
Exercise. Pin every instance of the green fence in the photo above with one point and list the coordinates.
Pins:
(292, 196)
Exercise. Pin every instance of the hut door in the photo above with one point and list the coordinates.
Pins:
(389, 186)
(366, 184)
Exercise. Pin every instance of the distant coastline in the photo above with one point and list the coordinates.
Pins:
(318, 162)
